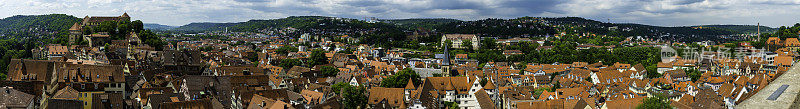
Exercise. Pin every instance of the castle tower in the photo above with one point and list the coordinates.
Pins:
(75, 32)
(125, 17)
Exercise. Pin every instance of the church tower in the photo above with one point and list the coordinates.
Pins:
(446, 63)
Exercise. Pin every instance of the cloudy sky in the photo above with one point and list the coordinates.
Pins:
(772, 13)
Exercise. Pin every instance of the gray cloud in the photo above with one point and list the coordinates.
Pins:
(534, 6)
(685, 2)
(365, 3)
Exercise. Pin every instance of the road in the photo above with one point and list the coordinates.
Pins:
(784, 101)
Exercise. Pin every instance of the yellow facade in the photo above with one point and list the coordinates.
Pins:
(86, 97)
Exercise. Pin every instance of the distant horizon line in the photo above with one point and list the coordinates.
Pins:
(363, 18)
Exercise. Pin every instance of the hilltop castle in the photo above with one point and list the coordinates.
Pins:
(76, 31)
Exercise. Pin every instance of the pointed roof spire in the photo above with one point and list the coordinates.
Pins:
(125, 14)
(410, 85)
(489, 85)
(446, 57)
(75, 26)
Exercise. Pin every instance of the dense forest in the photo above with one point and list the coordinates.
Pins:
(21, 33)
(36, 25)
(200, 27)
(741, 28)
(785, 32)
(518, 27)
(253, 25)
(379, 34)
(417, 23)
(497, 28)
(305, 23)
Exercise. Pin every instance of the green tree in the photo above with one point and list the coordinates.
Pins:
(137, 26)
(252, 57)
(467, 45)
(286, 49)
(337, 88)
(451, 105)
(656, 102)
(152, 39)
(652, 71)
(123, 29)
(107, 26)
(488, 43)
(694, 74)
(318, 57)
(400, 79)
(538, 91)
(329, 71)
(346, 51)
(352, 97)
(484, 81)
(2, 76)
(448, 44)
(288, 63)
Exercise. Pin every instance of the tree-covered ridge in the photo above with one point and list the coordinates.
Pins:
(397, 29)
(292, 21)
(631, 29)
(380, 34)
(787, 32)
(254, 25)
(741, 28)
(682, 33)
(675, 33)
(36, 25)
(503, 27)
(199, 27)
(498, 27)
(424, 23)
(152, 26)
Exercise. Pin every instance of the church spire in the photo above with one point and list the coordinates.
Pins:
(410, 85)
(446, 64)
(446, 57)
